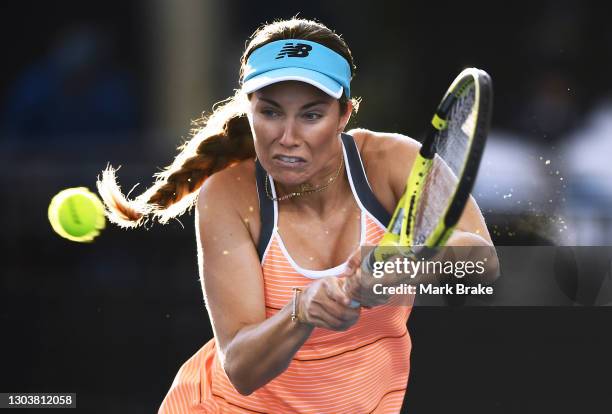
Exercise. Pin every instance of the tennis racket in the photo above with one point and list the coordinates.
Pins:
(443, 174)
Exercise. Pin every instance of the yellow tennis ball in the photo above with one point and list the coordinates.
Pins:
(77, 214)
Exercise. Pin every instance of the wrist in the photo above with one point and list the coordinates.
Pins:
(297, 314)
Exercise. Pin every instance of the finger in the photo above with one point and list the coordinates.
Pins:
(351, 289)
(319, 323)
(347, 289)
(336, 291)
(326, 320)
(351, 286)
(336, 309)
(354, 285)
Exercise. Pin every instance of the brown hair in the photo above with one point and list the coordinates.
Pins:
(219, 140)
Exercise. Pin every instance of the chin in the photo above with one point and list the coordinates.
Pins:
(287, 175)
(289, 179)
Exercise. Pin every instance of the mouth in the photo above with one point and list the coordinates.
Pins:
(288, 160)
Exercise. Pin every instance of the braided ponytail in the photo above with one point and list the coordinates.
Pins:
(223, 139)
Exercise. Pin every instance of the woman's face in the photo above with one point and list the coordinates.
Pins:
(295, 127)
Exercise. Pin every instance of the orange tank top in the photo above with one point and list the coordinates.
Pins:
(362, 370)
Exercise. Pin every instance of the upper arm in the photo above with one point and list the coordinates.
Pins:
(230, 270)
(387, 159)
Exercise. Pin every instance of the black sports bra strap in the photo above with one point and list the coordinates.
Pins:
(266, 210)
(360, 182)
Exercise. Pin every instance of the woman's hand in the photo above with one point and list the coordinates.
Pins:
(324, 304)
(359, 285)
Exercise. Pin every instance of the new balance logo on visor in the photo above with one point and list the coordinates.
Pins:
(294, 50)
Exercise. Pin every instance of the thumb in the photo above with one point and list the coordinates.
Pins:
(354, 262)
(336, 290)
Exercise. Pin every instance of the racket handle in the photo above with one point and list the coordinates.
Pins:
(367, 264)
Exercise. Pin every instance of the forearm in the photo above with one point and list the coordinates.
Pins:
(472, 247)
(461, 247)
(258, 353)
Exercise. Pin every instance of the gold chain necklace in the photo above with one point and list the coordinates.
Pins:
(305, 188)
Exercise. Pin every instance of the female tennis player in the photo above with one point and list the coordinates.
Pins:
(284, 197)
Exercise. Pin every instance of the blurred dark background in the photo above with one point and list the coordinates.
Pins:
(88, 83)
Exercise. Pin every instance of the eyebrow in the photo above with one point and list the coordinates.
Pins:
(308, 105)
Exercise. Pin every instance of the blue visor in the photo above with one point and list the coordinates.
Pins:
(298, 60)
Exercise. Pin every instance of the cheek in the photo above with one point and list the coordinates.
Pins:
(322, 133)
(264, 130)
(263, 138)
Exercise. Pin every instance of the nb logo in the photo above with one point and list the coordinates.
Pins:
(294, 50)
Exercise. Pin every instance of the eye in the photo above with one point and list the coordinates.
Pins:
(270, 113)
(312, 116)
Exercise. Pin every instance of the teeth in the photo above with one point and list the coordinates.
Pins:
(288, 159)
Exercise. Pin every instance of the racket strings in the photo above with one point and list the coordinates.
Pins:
(452, 147)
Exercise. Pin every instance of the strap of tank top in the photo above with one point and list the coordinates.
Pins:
(266, 210)
(360, 182)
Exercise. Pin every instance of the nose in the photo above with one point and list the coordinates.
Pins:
(289, 137)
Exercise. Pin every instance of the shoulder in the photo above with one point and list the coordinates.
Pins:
(387, 160)
(375, 146)
(231, 195)
(221, 186)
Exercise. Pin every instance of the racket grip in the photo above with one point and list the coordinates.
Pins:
(367, 264)
(354, 303)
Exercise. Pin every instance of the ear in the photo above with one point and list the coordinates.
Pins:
(344, 119)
